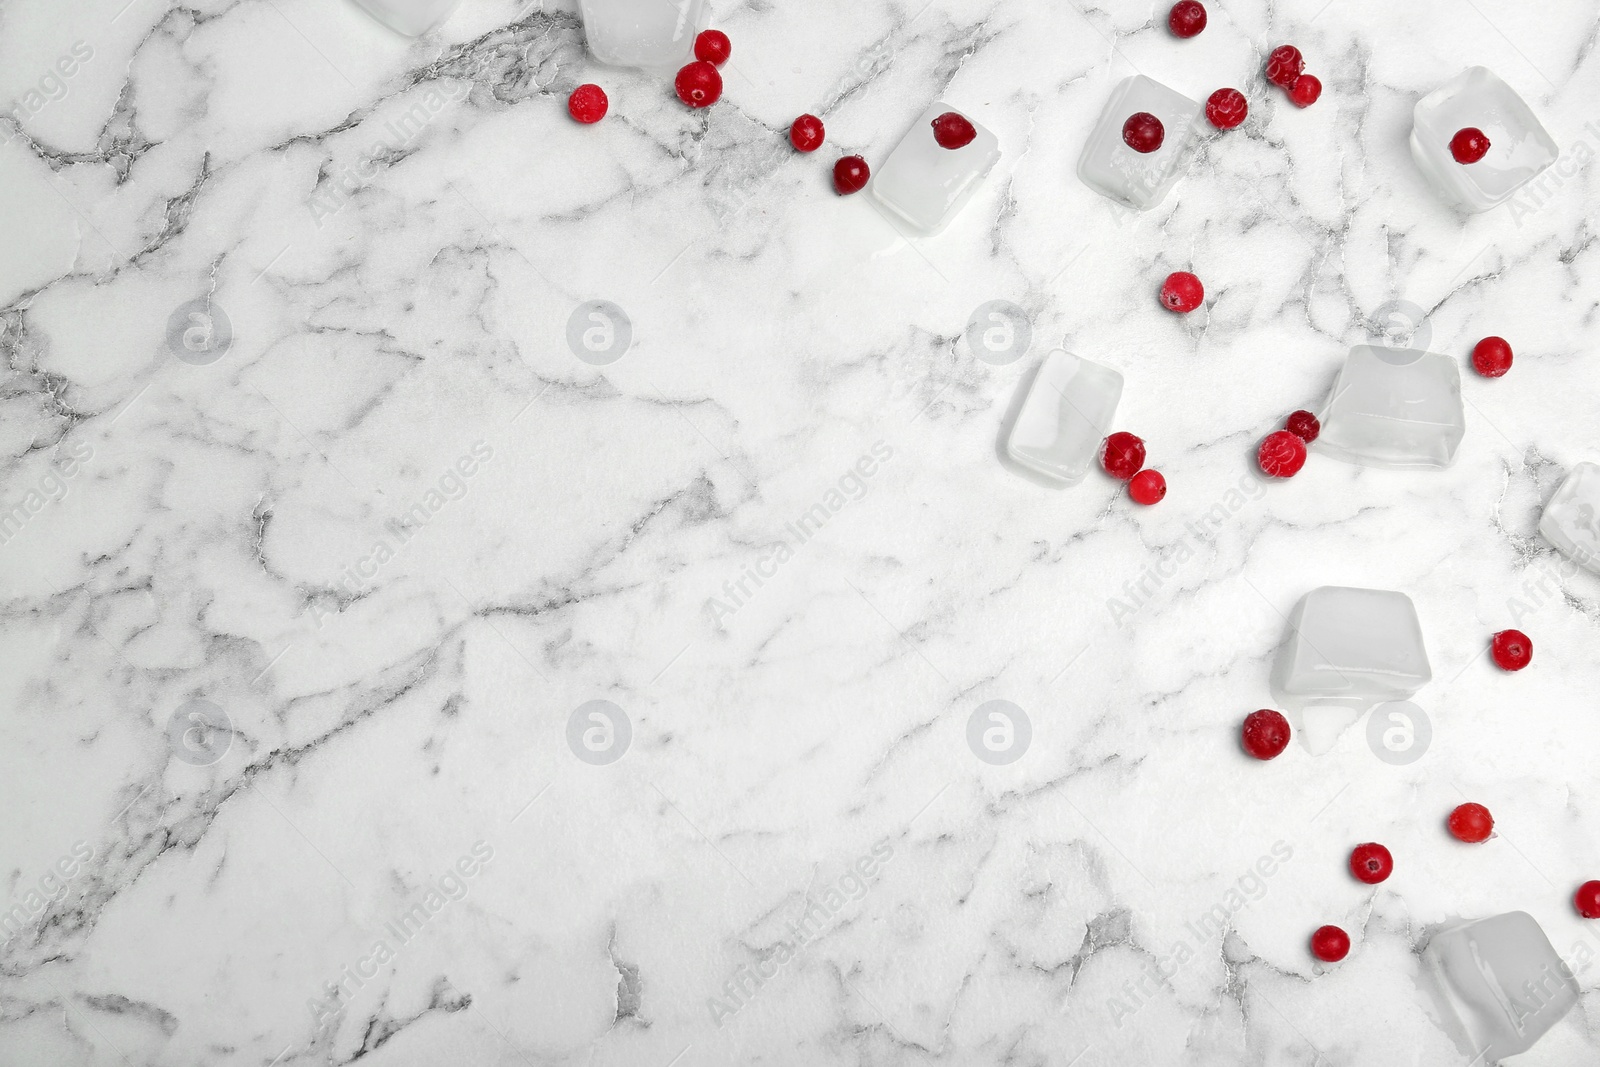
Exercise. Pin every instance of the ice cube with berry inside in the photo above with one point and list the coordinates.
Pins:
(1501, 981)
(1571, 521)
(1394, 408)
(654, 34)
(1519, 146)
(924, 184)
(410, 17)
(1113, 168)
(1065, 416)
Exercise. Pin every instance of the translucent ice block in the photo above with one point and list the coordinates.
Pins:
(1396, 408)
(644, 33)
(1571, 520)
(1139, 179)
(1519, 147)
(1502, 980)
(1350, 648)
(1067, 413)
(410, 17)
(926, 185)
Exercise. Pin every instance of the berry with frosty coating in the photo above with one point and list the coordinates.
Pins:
(1265, 734)
(1303, 425)
(1122, 455)
(1281, 454)
(1471, 823)
(588, 104)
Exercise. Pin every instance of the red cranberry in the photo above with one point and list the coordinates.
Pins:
(1143, 132)
(1187, 18)
(1147, 487)
(953, 130)
(1469, 145)
(1284, 66)
(588, 104)
(1303, 425)
(698, 84)
(850, 175)
(1281, 454)
(1512, 650)
(1182, 292)
(1491, 357)
(1330, 944)
(1371, 863)
(1471, 823)
(1305, 90)
(1265, 733)
(807, 133)
(1226, 108)
(713, 47)
(1122, 454)
(1587, 900)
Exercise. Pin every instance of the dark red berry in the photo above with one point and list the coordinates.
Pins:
(1305, 90)
(1303, 425)
(1187, 18)
(1265, 733)
(1491, 357)
(953, 130)
(850, 175)
(1330, 944)
(1143, 132)
(699, 84)
(1226, 108)
(713, 46)
(1147, 487)
(1371, 863)
(1284, 65)
(1512, 650)
(1471, 823)
(1122, 455)
(1282, 454)
(1587, 900)
(807, 133)
(588, 104)
(1469, 145)
(1182, 292)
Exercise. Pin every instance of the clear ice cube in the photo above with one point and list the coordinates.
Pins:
(1350, 648)
(1065, 417)
(656, 34)
(1396, 408)
(1519, 146)
(1502, 980)
(410, 17)
(926, 185)
(1571, 520)
(1140, 180)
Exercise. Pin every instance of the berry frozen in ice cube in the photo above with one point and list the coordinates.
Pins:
(1518, 150)
(1139, 179)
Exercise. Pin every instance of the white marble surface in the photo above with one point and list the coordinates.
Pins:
(214, 532)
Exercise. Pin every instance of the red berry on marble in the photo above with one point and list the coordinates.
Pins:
(1305, 90)
(713, 47)
(1187, 18)
(1122, 455)
(1371, 863)
(1330, 944)
(1491, 357)
(588, 104)
(1284, 65)
(807, 133)
(1226, 108)
(698, 84)
(1471, 823)
(1147, 487)
(1281, 454)
(1303, 425)
(1512, 650)
(1143, 132)
(1265, 733)
(1587, 900)
(1469, 145)
(850, 175)
(1182, 292)
(953, 130)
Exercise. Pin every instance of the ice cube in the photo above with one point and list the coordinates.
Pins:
(410, 17)
(1519, 147)
(1139, 179)
(1502, 980)
(1350, 648)
(925, 184)
(1397, 408)
(1571, 520)
(1066, 415)
(657, 34)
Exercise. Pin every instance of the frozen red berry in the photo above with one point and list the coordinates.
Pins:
(699, 84)
(1147, 487)
(1182, 292)
(807, 133)
(588, 104)
(1371, 863)
(1303, 425)
(1284, 65)
(850, 175)
(1587, 900)
(1265, 734)
(713, 47)
(953, 130)
(1305, 90)
(1187, 18)
(1491, 357)
(1330, 944)
(1512, 650)
(1281, 454)
(1143, 132)
(1471, 823)
(1226, 108)
(1122, 455)
(1469, 145)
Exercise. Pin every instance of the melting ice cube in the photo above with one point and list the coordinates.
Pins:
(1519, 147)
(410, 17)
(1066, 415)
(1139, 179)
(1397, 408)
(644, 33)
(1571, 520)
(926, 185)
(1502, 980)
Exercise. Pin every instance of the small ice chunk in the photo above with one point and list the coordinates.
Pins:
(1571, 520)
(1396, 408)
(410, 17)
(655, 34)
(925, 184)
(1503, 981)
(1066, 415)
(1140, 180)
(1350, 649)
(1519, 147)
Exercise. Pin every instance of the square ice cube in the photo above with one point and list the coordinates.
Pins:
(410, 17)
(1351, 648)
(1139, 179)
(1067, 413)
(1395, 408)
(1571, 520)
(1503, 981)
(1519, 147)
(926, 185)
(644, 33)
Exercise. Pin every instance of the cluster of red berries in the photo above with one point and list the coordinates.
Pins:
(698, 84)
(1227, 108)
(1283, 452)
(1122, 457)
(1286, 69)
